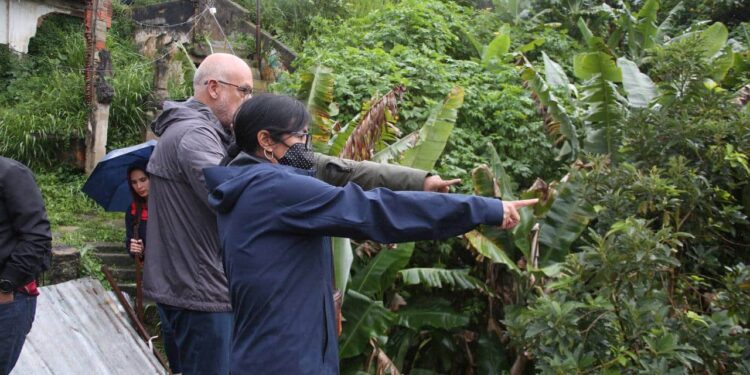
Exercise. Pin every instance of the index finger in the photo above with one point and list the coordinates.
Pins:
(452, 182)
(525, 202)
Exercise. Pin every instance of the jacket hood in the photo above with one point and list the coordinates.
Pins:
(226, 185)
(175, 112)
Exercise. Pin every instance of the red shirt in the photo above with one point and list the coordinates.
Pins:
(29, 289)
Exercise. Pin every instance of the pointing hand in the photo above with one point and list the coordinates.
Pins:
(510, 212)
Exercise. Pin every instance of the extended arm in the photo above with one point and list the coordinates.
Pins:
(311, 206)
(368, 175)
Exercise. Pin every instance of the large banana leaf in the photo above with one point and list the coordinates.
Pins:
(713, 39)
(396, 149)
(489, 249)
(316, 92)
(554, 109)
(640, 89)
(497, 49)
(438, 277)
(605, 116)
(566, 220)
(436, 313)
(555, 75)
(434, 134)
(644, 33)
(365, 319)
(342, 261)
(605, 111)
(337, 142)
(590, 64)
(382, 270)
(504, 180)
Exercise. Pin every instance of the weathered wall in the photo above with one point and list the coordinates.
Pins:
(20, 18)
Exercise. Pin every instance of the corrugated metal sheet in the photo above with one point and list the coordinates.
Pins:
(80, 329)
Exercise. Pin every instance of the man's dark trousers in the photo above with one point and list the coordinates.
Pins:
(203, 339)
(170, 347)
(15, 319)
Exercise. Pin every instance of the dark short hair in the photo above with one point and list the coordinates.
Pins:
(278, 114)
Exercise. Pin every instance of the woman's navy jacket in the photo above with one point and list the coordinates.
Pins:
(274, 227)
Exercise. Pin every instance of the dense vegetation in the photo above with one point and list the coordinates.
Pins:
(626, 118)
(640, 265)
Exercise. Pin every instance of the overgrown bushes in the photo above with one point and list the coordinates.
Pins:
(42, 107)
(658, 180)
(424, 46)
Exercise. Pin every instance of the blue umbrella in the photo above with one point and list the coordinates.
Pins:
(108, 184)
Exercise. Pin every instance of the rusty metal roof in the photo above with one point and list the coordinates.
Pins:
(80, 329)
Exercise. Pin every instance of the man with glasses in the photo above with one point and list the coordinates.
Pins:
(183, 271)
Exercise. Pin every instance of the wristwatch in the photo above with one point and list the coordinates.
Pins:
(6, 286)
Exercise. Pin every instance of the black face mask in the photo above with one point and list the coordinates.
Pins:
(298, 156)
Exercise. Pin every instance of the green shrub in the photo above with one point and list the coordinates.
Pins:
(616, 309)
(420, 44)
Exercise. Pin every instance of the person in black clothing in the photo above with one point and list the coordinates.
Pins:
(136, 218)
(25, 249)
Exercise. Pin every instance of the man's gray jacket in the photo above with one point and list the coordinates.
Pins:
(183, 265)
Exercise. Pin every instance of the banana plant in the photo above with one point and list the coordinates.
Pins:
(375, 125)
(366, 320)
(557, 121)
(541, 239)
(605, 108)
(366, 317)
(355, 141)
(609, 90)
(562, 214)
(316, 92)
(639, 30)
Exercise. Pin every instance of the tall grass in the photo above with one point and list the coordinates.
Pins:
(43, 112)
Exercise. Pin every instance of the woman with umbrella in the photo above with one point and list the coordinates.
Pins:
(136, 217)
(137, 214)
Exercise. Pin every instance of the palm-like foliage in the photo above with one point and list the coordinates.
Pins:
(317, 93)
(605, 108)
(437, 278)
(383, 112)
(367, 319)
(556, 118)
(434, 134)
(381, 271)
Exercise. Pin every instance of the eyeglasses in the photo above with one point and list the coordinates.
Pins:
(245, 90)
(307, 139)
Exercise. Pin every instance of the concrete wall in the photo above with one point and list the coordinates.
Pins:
(20, 18)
